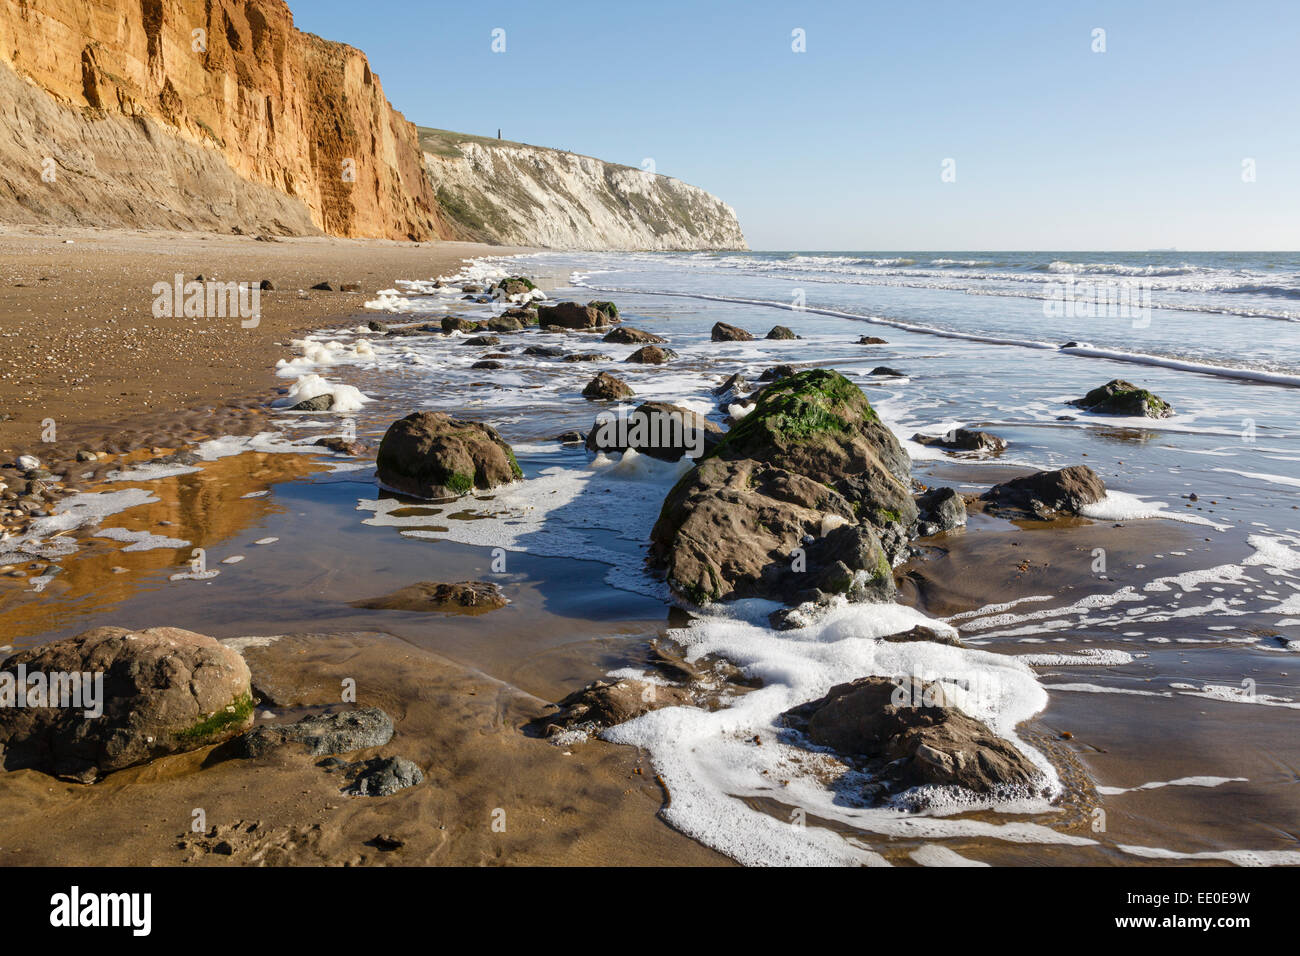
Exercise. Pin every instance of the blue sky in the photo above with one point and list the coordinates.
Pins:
(841, 147)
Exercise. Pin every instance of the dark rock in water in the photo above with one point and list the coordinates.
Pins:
(482, 340)
(1046, 494)
(923, 633)
(164, 690)
(605, 387)
(604, 703)
(432, 455)
(940, 509)
(743, 529)
(452, 323)
(722, 332)
(323, 734)
(1070, 345)
(907, 734)
(871, 340)
(350, 287)
(964, 439)
(776, 373)
(505, 323)
(734, 385)
(320, 403)
(626, 335)
(343, 446)
(472, 288)
(663, 431)
(571, 315)
(487, 364)
(467, 597)
(586, 357)
(545, 351)
(781, 332)
(1118, 397)
(516, 285)
(574, 437)
(374, 326)
(609, 309)
(384, 776)
(323, 287)
(651, 355)
(885, 370)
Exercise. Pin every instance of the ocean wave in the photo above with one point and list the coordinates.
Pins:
(1059, 267)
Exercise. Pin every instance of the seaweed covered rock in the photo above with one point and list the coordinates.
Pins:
(1118, 397)
(658, 429)
(608, 309)
(1046, 494)
(158, 691)
(432, 455)
(781, 332)
(515, 285)
(454, 323)
(906, 733)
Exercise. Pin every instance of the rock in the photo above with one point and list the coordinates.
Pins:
(626, 335)
(470, 597)
(586, 357)
(384, 776)
(605, 387)
(323, 287)
(907, 735)
(545, 351)
(776, 372)
(574, 437)
(722, 332)
(923, 633)
(609, 309)
(344, 446)
(730, 529)
(781, 332)
(28, 463)
(571, 315)
(350, 287)
(887, 372)
(453, 323)
(871, 340)
(1046, 493)
(505, 323)
(164, 690)
(323, 734)
(605, 703)
(1118, 397)
(482, 340)
(516, 285)
(87, 456)
(432, 455)
(651, 355)
(471, 288)
(266, 285)
(663, 431)
(940, 509)
(734, 385)
(374, 326)
(964, 439)
(487, 364)
(318, 403)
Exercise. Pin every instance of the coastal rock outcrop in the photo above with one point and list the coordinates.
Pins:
(657, 429)
(1118, 397)
(160, 691)
(1046, 494)
(321, 734)
(571, 315)
(432, 455)
(604, 703)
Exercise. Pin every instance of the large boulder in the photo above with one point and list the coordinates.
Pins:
(164, 690)
(738, 529)
(657, 429)
(906, 733)
(722, 332)
(626, 335)
(454, 323)
(1118, 397)
(571, 315)
(432, 455)
(1046, 494)
(940, 509)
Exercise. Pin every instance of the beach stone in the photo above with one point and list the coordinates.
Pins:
(266, 285)
(454, 323)
(871, 340)
(722, 332)
(923, 633)
(605, 703)
(319, 403)
(505, 323)
(573, 437)
(432, 455)
(469, 597)
(165, 690)
(781, 332)
(907, 734)
(776, 372)
(940, 509)
(343, 446)
(516, 285)
(657, 429)
(586, 357)
(384, 776)
(482, 340)
(571, 315)
(322, 734)
(651, 355)
(732, 386)
(1046, 494)
(350, 287)
(544, 351)
(605, 387)
(964, 439)
(886, 371)
(1118, 397)
(28, 463)
(374, 326)
(626, 335)
(487, 364)
(323, 287)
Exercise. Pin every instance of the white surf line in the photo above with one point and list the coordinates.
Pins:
(1180, 782)
(1260, 476)
(1117, 355)
(1239, 857)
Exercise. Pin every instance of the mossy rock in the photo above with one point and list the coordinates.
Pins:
(432, 455)
(1118, 397)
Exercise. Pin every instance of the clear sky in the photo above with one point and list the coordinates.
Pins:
(1055, 146)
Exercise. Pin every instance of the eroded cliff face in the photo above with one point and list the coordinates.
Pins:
(511, 193)
(211, 114)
